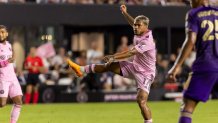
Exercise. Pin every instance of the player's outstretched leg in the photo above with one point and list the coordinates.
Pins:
(15, 112)
(186, 110)
(93, 68)
(142, 97)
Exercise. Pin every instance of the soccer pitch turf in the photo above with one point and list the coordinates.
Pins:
(163, 112)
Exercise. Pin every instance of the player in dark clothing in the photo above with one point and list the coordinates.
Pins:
(201, 33)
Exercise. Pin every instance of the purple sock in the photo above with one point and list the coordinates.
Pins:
(183, 119)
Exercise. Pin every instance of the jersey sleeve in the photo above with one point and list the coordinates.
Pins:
(144, 46)
(191, 23)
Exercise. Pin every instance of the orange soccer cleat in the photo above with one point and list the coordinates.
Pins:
(75, 67)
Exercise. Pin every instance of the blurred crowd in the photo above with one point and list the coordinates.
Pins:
(100, 2)
(55, 71)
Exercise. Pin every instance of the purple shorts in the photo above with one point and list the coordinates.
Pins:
(143, 81)
(201, 85)
(10, 88)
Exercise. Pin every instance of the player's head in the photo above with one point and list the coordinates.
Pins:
(140, 26)
(3, 33)
(197, 3)
(32, 51)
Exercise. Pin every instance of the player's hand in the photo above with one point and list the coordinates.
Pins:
(11, 60)
(123, 8)
(109, 59)
(171, 76)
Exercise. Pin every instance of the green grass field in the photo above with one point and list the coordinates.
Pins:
(163, 112)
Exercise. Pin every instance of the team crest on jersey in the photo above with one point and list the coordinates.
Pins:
(2, 91)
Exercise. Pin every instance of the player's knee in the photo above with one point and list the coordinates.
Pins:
(186, 108)
(2, 104)
(19, 103)
(141, 102)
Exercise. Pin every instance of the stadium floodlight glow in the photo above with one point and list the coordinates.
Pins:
(46, 37)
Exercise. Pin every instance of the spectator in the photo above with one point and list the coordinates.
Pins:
(106, 81)
(3, 1)
(124, 44)
(59, 68)
(59, 58)
(119, 82)
(93, 55)
(100, 1)
(70, 1)
(82, 59)
(35, 66)
(175, 3)
(123, 84)
(16, 1)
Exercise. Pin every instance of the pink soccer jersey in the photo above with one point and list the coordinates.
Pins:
(142, 69)
(9, 84)
(145, 60)
(6, 73)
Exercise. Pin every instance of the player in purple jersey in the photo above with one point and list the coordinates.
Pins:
(142, 69)
(9, 85)
(201, 33)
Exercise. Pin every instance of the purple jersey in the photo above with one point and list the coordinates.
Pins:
(204, 22)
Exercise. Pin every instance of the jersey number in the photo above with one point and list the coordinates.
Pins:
(207, 35)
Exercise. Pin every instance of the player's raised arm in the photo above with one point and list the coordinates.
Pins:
(127, 16)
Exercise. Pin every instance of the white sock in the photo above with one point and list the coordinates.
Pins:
(148, 121)
(82, 69)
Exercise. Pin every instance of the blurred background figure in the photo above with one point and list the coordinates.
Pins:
(93, 54)
(34, 65)
(123, 44)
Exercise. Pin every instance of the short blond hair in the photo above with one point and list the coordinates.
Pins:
(143, 18)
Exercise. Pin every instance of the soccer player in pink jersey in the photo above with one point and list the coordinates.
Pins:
(142, 69)
(9, 84)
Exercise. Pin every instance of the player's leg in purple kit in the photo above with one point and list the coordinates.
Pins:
(186, 110)
(199, 89)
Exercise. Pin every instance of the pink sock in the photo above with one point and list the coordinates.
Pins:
(90, 68)
(15, 113)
